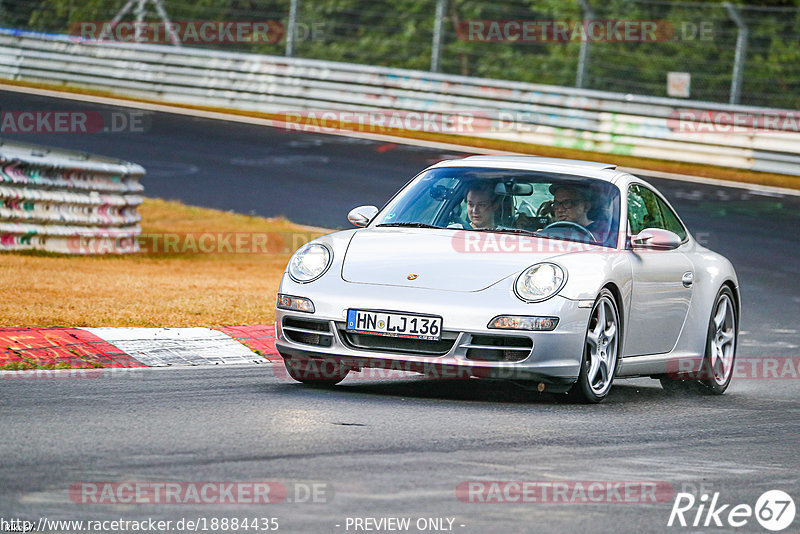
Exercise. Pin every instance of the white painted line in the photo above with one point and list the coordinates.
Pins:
(177, 346)
(231, 117)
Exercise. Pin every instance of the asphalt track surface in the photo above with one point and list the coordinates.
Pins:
(400, 447)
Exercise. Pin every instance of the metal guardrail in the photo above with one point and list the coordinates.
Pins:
(523, 112)
(69, 202)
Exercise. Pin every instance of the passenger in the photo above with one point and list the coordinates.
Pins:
(482, 203)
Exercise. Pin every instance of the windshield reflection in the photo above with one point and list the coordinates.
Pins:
(555, 206)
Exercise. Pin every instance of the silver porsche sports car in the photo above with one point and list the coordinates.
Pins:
(558, 274)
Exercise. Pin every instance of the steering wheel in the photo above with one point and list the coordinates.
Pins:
(571, 225)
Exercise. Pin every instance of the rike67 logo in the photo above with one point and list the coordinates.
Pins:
(774, 510)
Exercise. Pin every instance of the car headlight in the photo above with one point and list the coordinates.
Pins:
(540, 282)
(309, 263)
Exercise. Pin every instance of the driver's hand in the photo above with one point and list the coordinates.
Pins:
(523, 221)
(529, 223)
(546, 210)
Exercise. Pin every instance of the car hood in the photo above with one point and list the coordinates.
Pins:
(450, 260)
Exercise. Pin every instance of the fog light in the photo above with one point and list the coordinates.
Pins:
(523, 322)
(288, 302)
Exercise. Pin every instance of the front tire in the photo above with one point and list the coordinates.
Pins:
(601, 350)
(316, 372)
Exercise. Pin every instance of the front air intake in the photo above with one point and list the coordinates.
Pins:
(307, 331)
(421, 347)
(498, 348)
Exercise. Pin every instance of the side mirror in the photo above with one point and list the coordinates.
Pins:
(362, 215)
(655, 239)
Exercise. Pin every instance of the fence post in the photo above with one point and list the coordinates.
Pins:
(583, 55)
(165, 19)
(139, 11)
(436, 52)
(741, 49)
(291, 28)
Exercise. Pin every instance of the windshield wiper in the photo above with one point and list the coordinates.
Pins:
(512, 231)
(409, 225)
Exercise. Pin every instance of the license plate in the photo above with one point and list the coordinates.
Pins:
(394, 324)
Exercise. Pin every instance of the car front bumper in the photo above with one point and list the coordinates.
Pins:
(554, 357)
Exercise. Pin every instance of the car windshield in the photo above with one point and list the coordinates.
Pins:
(551, 205)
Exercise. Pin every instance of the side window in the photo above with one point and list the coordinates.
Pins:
(646, 210)
(671, 221)
(643, 210)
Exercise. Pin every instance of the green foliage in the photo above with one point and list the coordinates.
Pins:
(399, 33)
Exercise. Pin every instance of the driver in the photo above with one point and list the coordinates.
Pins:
(572, 204)
(482, 203)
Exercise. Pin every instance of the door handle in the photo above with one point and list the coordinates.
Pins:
(688, 279)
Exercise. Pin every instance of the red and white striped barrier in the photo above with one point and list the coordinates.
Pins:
(88, 348)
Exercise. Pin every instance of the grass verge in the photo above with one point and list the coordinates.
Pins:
(233, 285)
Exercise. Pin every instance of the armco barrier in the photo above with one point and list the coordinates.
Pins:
(69, 202)
(530, 113)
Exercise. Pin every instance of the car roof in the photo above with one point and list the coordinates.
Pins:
(592, 169)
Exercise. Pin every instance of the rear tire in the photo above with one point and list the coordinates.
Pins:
(723, 337)
(601, 351)
(716, 369)
(316, 372)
